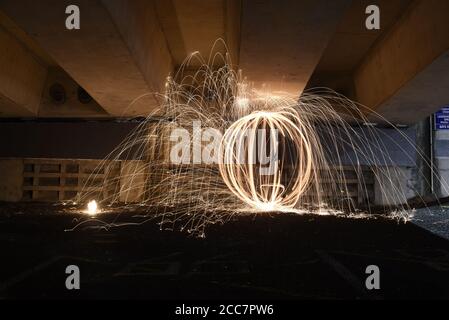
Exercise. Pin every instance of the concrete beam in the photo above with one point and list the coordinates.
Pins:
(118, 55)
(72, 107)
(139, 26)
(22, 78)
(282, 41)
(195, 25)
(200, 23)
(232, 29)
(405, 76)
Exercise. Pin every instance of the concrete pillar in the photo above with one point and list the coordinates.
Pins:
(424, 158)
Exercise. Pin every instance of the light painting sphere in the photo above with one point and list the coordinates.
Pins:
(267, 160)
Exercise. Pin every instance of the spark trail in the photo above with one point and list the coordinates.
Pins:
(315, 138)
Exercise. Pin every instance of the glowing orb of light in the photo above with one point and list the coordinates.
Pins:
(92, 208)
(249, 142)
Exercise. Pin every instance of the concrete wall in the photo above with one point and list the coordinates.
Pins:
(408, 179)
(384, 147)
(394, 185)
(96, 139)
(71, 107)
(71, 140)
(393, 156)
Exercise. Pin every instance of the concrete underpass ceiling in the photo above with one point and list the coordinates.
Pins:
(351, 42)
(193, 26)
(32, 71)
(126, 49)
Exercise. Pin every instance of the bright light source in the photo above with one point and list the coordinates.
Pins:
(242, 103)
(92, 208)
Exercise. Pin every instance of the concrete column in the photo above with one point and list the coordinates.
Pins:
(424, 158)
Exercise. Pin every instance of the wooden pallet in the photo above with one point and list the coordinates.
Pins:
(358, 183)
(63, 179)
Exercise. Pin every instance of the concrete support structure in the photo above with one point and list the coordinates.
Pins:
(424, 185)
(72, 106)
(118, 55)
(125, 50)
(22, 78)
(405, 76)
(196, 25)
(134, 45)
(394, 185)
(282, 41)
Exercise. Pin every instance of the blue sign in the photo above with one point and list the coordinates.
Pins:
(442, 119)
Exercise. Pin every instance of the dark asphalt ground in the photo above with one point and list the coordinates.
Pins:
(279, 257)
